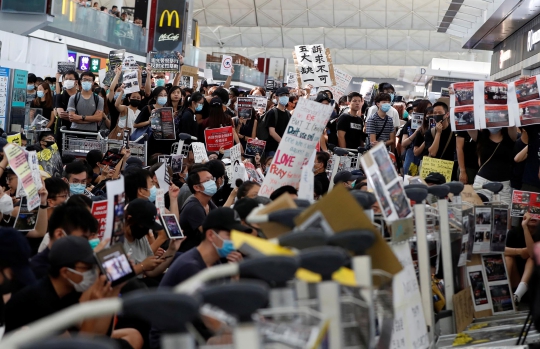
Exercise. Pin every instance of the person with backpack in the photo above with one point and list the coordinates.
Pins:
(380, 127)
(85, 108)
(274, 123)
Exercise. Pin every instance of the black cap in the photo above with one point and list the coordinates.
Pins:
(245, 206)
(70, 250)
(216, 101)
(344, 176)
(224, 218)
(134, 161)
(144, 212)
(322, 97)
(282, 91)
(15, 253)
(435, 178)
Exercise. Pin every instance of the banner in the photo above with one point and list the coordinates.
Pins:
(169, 25)
(99, 211)
(443, 167)
(19, 164)
(300, 138)
(216, 138)
(314, 65)
(162, 62)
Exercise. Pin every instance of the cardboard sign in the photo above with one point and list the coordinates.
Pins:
(199, 152)
(116, 200)
(226, 65)
(254, 147)
(463, 309)
(443, 167)
(19, 164)
(16, 139)
(187, 70)
(314, 65)
(523, 202)
(306, 188)
(342, 84)
(163, 62)
(245, 107)
(300, 138)
(99, 211)
(217, 138)
(64, 67)
(162, 124)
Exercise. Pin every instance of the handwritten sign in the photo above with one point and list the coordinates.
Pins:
(236, 154)
(297, 144)
(16, 138)
(216, 138)
(314, 65)
(226, 65)
(238, 172)
(99, 211)
(254, 147)
(18, 163)
(443, 167)
(199, 152)
(34, 167)
(342, 83)
(410, 330)
(291, 80)
(307, 180)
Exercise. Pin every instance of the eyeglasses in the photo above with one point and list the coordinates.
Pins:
(87, 80)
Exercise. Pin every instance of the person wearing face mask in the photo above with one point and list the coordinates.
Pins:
(144, 120)
(127, 114)
(203, 186)
(224, 189)
(139, 185)
(31, 89)
(496, 155)
(85, 108)
(345, 177)
(440, 140)
(392, 112)
(70, 82)
(319, 170)
(278, 119)
(44, 100)
(379, 126)
(188, 122)
(75, 175)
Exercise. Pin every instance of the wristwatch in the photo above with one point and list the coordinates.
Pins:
(83, 117)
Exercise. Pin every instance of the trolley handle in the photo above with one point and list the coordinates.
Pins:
(64, 130)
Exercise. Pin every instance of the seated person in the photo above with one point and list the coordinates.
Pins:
(244, 207)
(284, 189)
(345, 177)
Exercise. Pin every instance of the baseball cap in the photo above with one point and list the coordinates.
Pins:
(322, 97)
(15, 253)
(245, 206)
(216, 101)
(224, 218)
(282, 91)
(435, 178)
(344, 176)
(144, 213)
(70, 250)
(134, 161)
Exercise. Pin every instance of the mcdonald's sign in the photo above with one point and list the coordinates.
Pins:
(170, 28)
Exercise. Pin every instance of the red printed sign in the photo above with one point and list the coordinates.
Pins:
(99, 211)
(525, 201)
(219, 137)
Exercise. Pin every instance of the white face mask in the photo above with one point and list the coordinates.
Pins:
(69, 84)
(89, 277)
(6, 204)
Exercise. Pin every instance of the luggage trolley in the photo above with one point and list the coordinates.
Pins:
(137, 149)
(78, 143)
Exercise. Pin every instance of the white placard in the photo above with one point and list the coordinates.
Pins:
(416, 120)
(238, 172)
(160, 201)
(313, 65)
(199, 152)
(160, 175)
(342, 83)
(366, 90)
(291, 80)
(300, 138)
(236, 153)
(307, 180)
(114, 229)
(226, 65)
(34, 167)
(209, 75)
(131, 81)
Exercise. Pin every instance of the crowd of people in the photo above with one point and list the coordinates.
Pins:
(52, 266)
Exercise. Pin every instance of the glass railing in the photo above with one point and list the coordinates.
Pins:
(242, 74)
(72, 19)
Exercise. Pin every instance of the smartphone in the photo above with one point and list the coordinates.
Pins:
(114, 263)
(172, 228)
(432, 123)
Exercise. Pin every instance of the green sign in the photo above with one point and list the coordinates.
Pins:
(94, 65)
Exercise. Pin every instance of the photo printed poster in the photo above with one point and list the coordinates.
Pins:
(496, 275)
(479, 291)
(254, 147)
(116, 58)
(499, 232)
(467, 238)
(314, 65)
(383, 178)
(64, 67)
(245, 107)
(416, 120)
(131, 81)
(525, 93)
(300, 138)
(162, 124)
(116, 200)
(482, 232)
(523, 202)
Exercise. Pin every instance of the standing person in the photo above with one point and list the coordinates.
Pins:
(467, 158)
(85, 108)
(158, 101)
(113, 95)
(105, 123)
(440, 140)
(350, 125)
(31, 89)
(278, 121)
(420, 149)
(188, 122)
(387, 89)
(409, 136)
(379, 126)
(293, 100)
(175, 100)
(218, 118)
(127, 114)
(44, 101)
(319, 170)
(71, 84)
(530, 180)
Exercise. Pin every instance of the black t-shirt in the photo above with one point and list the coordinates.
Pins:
(113, 113)
(332, 130)
(499, 166)
(354, 128)
(530, 174)
(192, 216)
(469, 150)
(449, 152)
(188, 124)
(323, 179)
(516, 181)
(36, 302)
(62, 102)
(40, 263)
(220, 198)
(280, 125)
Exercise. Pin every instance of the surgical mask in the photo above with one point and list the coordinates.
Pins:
(116, 95)
(225, 249)
(161, 100)
(138, 232)
(391, 97)
(134, 102)
(495, 130)
(283, 100)
(210, 188)
(40, 94)
(315, 169)
(160, 82)
(93, 243)
(52, 87)
(5, 287)
(274, 101)
(199, 107)
(69, 84)
(30, 87)
(405, 115)
(48, 143)
(438, 118)
(86, 85)
(76, 188)
(6, 204)
(153, 194)
(385, 107)
(89, 277)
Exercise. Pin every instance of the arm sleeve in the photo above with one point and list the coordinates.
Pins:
(101, 103)
(144, 115)
(370, 129)
(71, 103)
(343, 123)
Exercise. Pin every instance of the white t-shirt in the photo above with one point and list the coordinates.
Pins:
(393, 113)
(129, 120)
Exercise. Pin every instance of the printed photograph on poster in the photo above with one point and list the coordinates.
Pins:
(463, 118)
(494, 267)
(497, 116)
(464, 242)
(385, 165)
(383, 201)
(416, 120)
(464, 93)
(176, 163)
(482, 218)
(26, 220)
(523, 202)
(469, 230)
(526, 89)
(529, 112)
(500, 222)
(480, 299)
(495, 92)
(400, 201)
(116, 58)
(254, 147)
(162, 124)
(118, 219)
(245, 107)
(131, 81)
(481, 241)
(501, 298)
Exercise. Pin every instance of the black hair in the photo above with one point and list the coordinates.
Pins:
(170, 92)
(222, 94)
(81, 200)
(55, 186)
(90, 74)
(422, 106)
(102, 8)
(94, 157)
(282, 190)
(382, 97)
(45, 134)
(71, 216)
(23, 137)
(234, 91)
(39, 79)
(74, 73)
(156, 93)
(68, 158)
(292, 99)
(135, 180)
(386, 86)
(75, 167)
(194, 178)
(195, 97)
(353, 94)
(32, 78)
(245, 188)
(441, 104)
(216, 168)
(323, 157)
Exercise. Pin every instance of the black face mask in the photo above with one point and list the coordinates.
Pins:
(48, 143)
(5, 286)
(438, 118)
(138, 232)
(134, 103)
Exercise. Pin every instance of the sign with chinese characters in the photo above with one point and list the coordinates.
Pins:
(314, 65)
(165, 62)
(84, 63)
(94, 65)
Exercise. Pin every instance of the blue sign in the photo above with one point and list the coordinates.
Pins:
(20, 80)
(72, 56)
(4, 91)
(84, 63)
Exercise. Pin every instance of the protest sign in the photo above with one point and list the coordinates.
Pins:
(34, 167)
(292, 80)
(496, 275)
(300, 138)
(116, 58)
(482, 228)
(160, 202)
(19, 164)
(236, 153)
(443, 167)
(259, 102)
(209, 75)
(162, 124)
(125, 138)
(176, 163)
(342, 83)
(116, 199)
(366, 90)
(131, 81)
(26, 218)
(245, 107)
(314, 65)
(165, 159)
(64, 67)
(162, 175)
(16, 139)
(186, 81)
(163, 62)
(187, 70)
(226, 65)
(129, 63)
(416, 120)
(388, 188)
(479, 288)
(307, 180)
(199, 152)
(216, 138)
(109, 77)
(254, 147)
(99, 211)
(523, 202)
(238, 172)
(252, 173)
